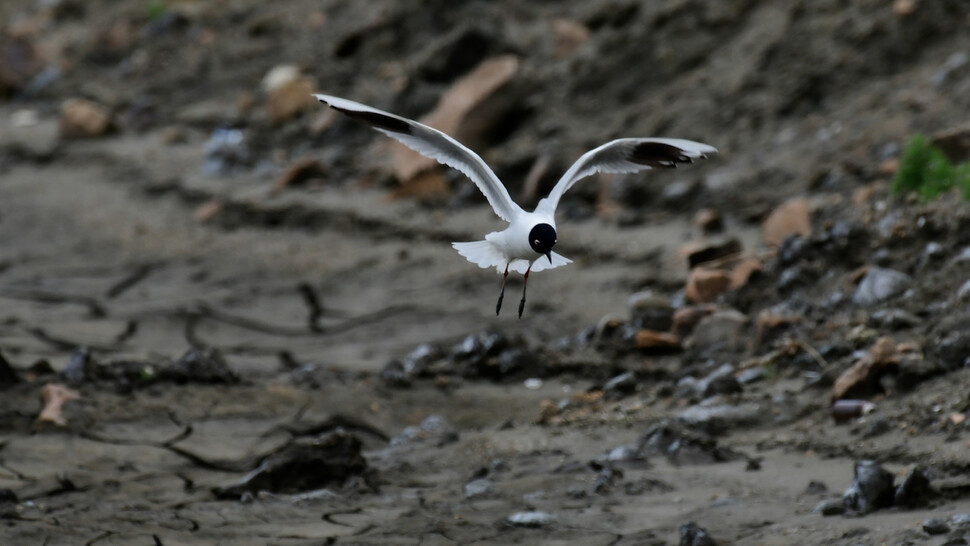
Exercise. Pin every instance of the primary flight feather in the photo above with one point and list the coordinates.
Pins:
(530, 236)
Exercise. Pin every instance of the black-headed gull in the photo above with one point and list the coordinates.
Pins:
(530, 235)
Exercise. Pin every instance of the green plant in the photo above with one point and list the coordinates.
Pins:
(924, 169)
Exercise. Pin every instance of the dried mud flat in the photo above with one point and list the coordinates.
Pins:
(269, 341)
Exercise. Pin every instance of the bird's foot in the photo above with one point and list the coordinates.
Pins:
(521, 307)
(498, 306)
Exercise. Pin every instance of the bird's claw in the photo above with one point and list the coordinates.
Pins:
(521, 307)
(498, 306)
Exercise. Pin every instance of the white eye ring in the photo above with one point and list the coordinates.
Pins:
(537, 241)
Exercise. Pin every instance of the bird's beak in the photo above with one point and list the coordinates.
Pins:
(549, 255)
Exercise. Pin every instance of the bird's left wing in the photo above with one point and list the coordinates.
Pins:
(434, 144)
(627, 155)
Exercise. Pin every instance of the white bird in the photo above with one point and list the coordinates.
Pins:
(530, 235)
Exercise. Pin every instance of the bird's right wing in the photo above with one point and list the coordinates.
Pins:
(626, 155)
(434, 144)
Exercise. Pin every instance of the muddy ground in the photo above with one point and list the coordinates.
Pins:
(268, 358)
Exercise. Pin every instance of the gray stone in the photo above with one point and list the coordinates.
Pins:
(479, 488)
(894, 319)
(935, 526)
(880, 284)
(530, 519)
(830, 507)
(721, 328)
(871, 489)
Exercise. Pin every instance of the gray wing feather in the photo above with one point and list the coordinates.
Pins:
(626, 155)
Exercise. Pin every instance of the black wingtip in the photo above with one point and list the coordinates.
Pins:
(658, 154)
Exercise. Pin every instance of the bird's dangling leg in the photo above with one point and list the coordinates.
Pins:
(501, 296)
(525, 283)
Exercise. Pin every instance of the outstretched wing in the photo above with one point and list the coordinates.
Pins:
(434, 144)
(627, 155)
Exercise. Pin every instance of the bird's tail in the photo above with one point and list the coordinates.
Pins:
(484, 254)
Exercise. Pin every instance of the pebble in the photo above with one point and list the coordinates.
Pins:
(621, 385)
(303, 465)
(936, 526)
(792, 217)
(871, 489)
(692, 535)
(532, 383)
(8, 376)
(894, 319)
(791, 249)
(80, 367)
(226, 152)
(964, 292)
(651, 311)
(720, 381)
(82, 118)
(201, 366)
(830, 507)
(479, 488)
(880, 284)
(721, 329)
(705, 285)
(530, 519)
(914, 490)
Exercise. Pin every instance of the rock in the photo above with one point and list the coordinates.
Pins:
(288, 92)
(773, 321)
(620, 386)
(8, 496)
(226, 152)
(394, 376)
(745, 269)
(686, 318)
(530, 519)
(935, 526)
(792, 217)
(846, 410)
(607, 478)
(722, 417)
(894, 319)
(871, 489)
(879, 284)
(455, 53)
(791, 249)
(654, 342)
(671, 439)
(700, 252)
(830, 507)
(904, 8)
(481, 487)
(8, 376)
(80, 367)
(651, 311)
(705, 285)
(289, 100)
(201, 366)
(568, 36)
(299, 173)
(53, 397)
(466, 111)
(81, 118)
(720, 381)
(914, 491)
(954, 142)
(964, 291)
(722, 329)
(751, 375)
(303, 465)
(708, 221)
(864, 377)
(692, 535)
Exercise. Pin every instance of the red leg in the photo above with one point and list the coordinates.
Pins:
(498, 306)
(525, 283)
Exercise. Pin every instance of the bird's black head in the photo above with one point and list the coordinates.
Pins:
(542, 238)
